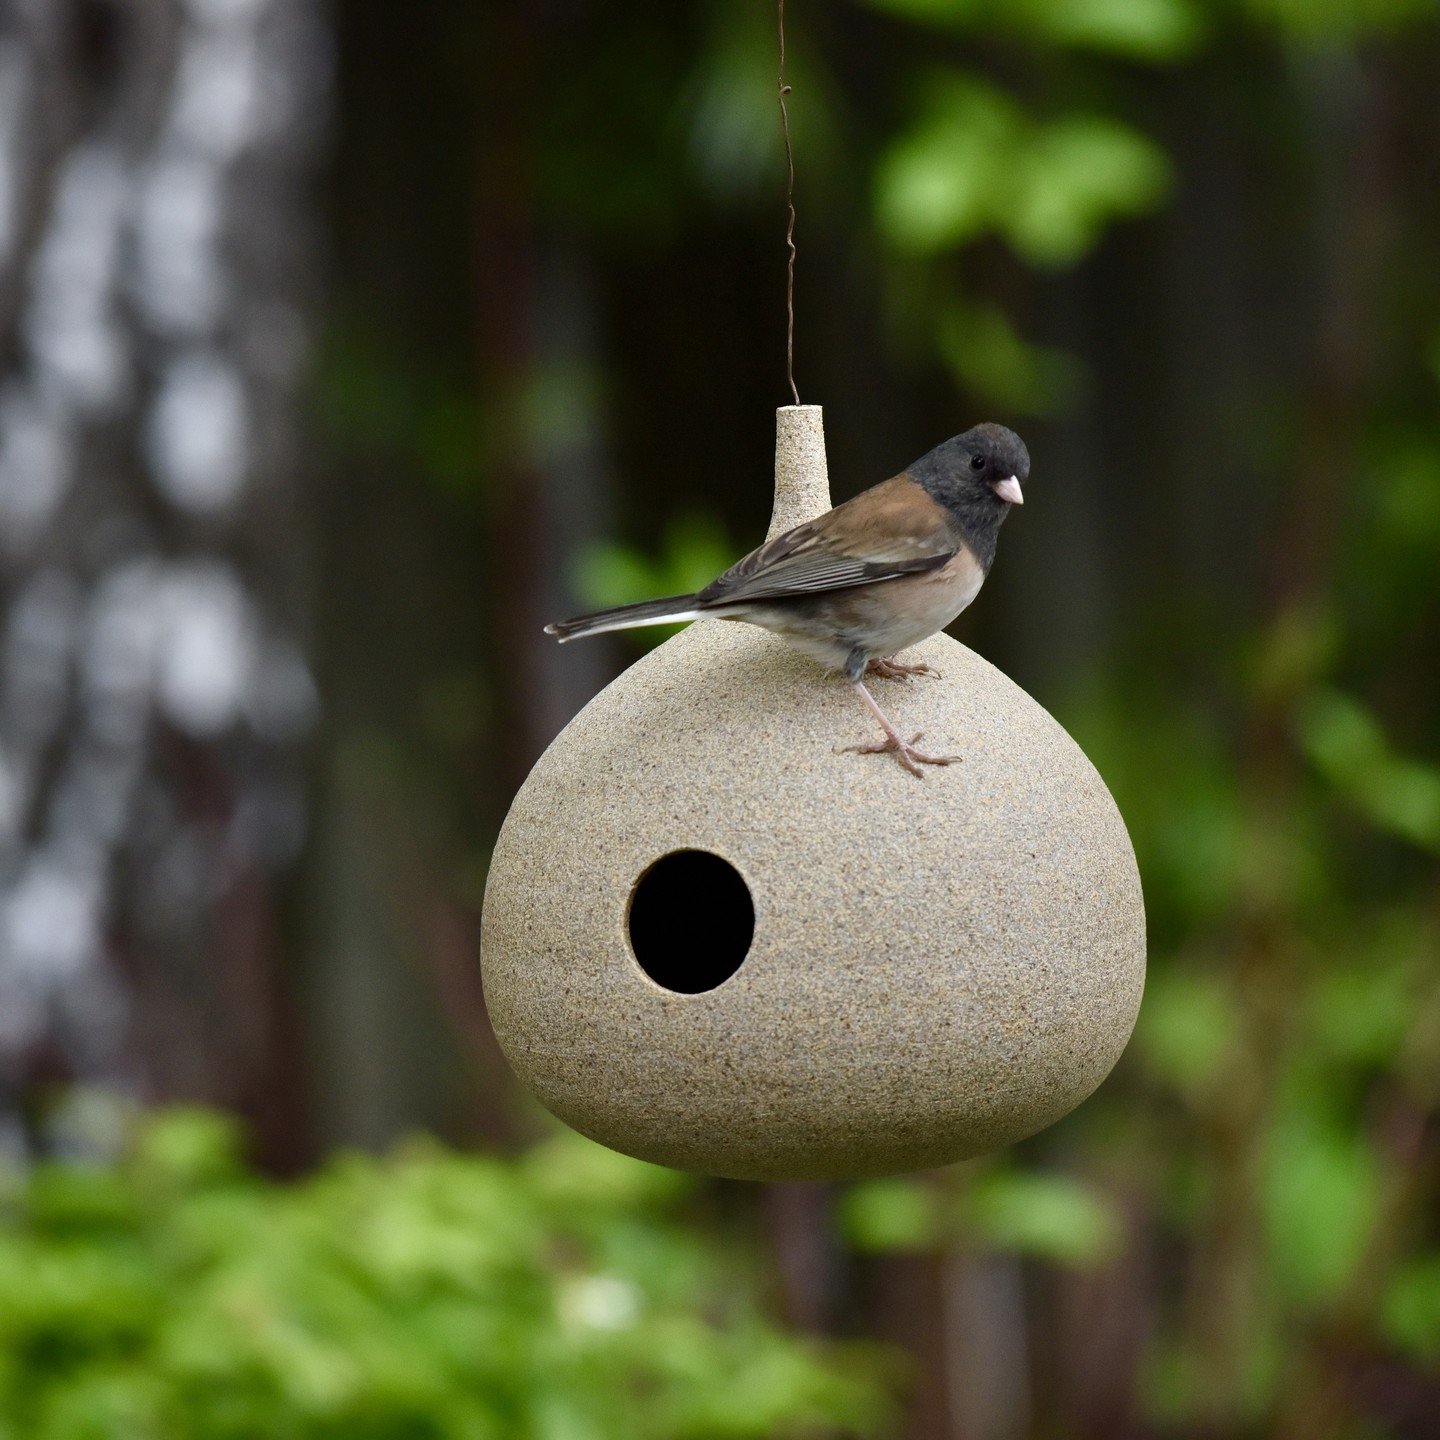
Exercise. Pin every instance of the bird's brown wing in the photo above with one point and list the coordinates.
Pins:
(891, 530)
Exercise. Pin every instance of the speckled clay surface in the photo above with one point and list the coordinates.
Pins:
(940, 967)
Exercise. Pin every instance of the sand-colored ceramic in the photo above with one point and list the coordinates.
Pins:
(939, 967)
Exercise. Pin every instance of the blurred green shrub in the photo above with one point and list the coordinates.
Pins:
(998, 1208)
(1349, 747)
(429, 1296)
(693, 552)
(1136, 29)
(977, 163)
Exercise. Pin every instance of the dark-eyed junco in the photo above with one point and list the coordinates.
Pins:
(860, 583)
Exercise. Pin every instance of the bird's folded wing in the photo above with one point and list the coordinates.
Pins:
(890, 531)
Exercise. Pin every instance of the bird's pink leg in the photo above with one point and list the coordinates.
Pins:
(889, 668)
(904, 750)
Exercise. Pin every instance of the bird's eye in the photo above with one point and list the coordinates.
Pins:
(977, 462)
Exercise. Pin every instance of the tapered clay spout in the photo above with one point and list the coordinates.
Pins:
(802, 479)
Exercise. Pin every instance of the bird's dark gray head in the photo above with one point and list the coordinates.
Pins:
(987, 461)
(977, 476)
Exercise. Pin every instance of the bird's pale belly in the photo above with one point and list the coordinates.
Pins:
(877, 620)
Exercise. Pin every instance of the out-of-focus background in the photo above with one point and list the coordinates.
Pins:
(342, 346)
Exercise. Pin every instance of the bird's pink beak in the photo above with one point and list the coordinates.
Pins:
(1009, 489)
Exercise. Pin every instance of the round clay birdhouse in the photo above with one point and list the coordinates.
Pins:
(713, 940)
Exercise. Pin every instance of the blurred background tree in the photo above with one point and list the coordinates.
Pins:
(1186, 247)
(157, 274)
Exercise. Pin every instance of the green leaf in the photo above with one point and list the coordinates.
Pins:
(891, 1215)
(1341, 19)
(975, 163)
(572, 1169)
(1410, 1309)
(957, 14)
(1364, 1009)
(188, 1148)
(693, 552)
(1049, 1216)
(1188, 1028)
(1076, 175)
(1348, 746)
(941, 183)
(987, 355)
(1153, 30)
(1321, 1194)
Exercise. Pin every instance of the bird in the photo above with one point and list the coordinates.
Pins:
(869, 578)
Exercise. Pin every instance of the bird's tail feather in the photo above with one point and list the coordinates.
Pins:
(672, 609)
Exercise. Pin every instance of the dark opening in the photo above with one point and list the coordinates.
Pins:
(691, 921)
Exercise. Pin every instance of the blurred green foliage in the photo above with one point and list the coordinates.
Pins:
(972, 159)
(996, 1207)
(1140, 29)
(173, 1295)
(693, 551)
(1349, 747)
(975, 163)
(1257, 1181)
(1270, 1133)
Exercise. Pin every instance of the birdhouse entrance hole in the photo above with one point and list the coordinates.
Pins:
(691, 921)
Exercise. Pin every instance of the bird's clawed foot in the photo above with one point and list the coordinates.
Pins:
(891, 669)
(904, 751)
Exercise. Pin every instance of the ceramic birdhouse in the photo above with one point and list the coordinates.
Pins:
(715, 940)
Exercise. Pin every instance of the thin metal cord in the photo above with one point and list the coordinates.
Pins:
(790, 205)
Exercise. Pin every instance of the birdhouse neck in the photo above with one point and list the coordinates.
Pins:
(802, 480)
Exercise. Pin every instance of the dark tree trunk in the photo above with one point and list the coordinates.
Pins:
(155, 270)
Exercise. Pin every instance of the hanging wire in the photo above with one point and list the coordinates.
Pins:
(790, 205)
